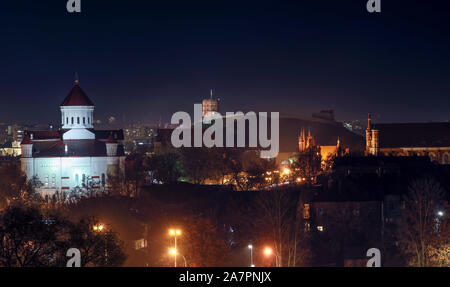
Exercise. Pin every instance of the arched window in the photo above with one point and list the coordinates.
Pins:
(89, 121)
(78, 120)
(84, 120)
(67, 120)
(72, 120)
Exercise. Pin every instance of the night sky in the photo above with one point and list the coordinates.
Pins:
(143, 60)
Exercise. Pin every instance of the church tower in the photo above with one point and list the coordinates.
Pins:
(77, 114)
(372, 138)
(302, 141)
(310, 140)
(368, 135)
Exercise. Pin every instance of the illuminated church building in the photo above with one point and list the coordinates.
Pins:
(410, 139)
(76, 155)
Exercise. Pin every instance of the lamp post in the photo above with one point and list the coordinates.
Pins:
(251, 255)
(100, 228)
(174, 252)
(269, 252)
(175, 233)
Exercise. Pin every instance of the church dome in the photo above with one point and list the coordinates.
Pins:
(77, 97)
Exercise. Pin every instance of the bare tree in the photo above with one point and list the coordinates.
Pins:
(419, 231)
(280, 217)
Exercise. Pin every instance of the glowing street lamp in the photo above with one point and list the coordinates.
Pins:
(268, 252)
(286, 171)
(251, 255)
(440, 213)
(99, 227)
(174, 252)
(175, 233)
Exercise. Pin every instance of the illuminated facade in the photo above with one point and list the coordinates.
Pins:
(409, 139)
(326, 151)
(76, 155)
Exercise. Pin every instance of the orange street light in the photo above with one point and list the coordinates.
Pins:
(99, 227)
(174, 252)
(175, 233)
(268, 251)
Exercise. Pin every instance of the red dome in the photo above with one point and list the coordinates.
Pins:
(77, 97)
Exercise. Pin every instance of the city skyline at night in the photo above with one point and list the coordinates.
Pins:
(145, 61)
(175, 136)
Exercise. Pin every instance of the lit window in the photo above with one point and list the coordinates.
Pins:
(306, 211)
(307, 226)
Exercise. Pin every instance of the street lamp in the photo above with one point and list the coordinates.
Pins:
(440, 213)
(175, 233)
(99, 228)
(173, 251)
(269, 252)
(251, 255)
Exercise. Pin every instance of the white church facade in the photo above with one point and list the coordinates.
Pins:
(75, 156)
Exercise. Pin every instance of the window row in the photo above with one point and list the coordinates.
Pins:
(72, 120)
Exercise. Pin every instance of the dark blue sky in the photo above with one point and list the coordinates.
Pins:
(146, 59)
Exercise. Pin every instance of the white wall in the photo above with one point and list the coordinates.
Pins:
(60, 173)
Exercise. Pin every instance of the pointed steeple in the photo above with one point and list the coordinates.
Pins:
(77, 97)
